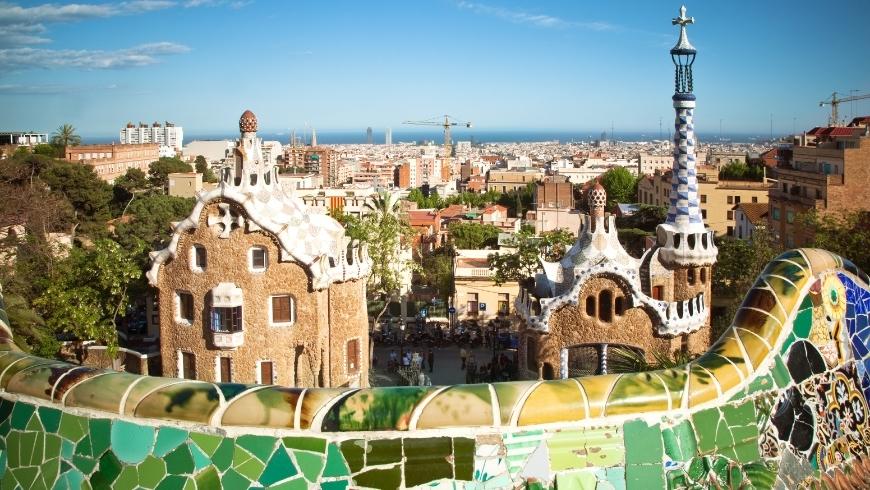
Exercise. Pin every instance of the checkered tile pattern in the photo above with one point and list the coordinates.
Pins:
(684, 211)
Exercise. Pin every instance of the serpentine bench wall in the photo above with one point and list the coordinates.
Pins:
(780, 399)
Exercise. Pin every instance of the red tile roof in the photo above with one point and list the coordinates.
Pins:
(754, 211)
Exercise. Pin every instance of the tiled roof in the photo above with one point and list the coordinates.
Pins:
(754, 211)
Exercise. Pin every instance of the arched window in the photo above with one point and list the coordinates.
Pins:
(605, 305)
(590, 306)
(703, 275)
(619, 305)
(690, 275)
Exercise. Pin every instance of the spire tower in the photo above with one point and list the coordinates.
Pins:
(684, 238)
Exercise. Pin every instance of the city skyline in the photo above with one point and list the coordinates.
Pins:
(347, 66)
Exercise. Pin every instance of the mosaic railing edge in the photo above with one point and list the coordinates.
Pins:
(746, 354)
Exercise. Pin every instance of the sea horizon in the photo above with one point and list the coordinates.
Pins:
(347, 137)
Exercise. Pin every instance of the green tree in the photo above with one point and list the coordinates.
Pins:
(741, 171)
(89, 293)
(620, 185)
(146, 225)
(845, 234)
(437, 272)
(65, 136)
(159, 171)
(387, 234)
(202, 167)
(473, 235)
(47, 150)
(518, 200)
(423, 202)
(89, 195)
(524, 261)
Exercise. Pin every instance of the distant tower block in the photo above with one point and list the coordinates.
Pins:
(369, 135)
(388, 139)
(313, 137)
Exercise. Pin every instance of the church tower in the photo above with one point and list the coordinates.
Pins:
(685, 244)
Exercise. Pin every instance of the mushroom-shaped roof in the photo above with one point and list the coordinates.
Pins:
(597, 197)
(248, 122)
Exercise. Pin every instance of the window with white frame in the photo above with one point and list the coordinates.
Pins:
(282, 310)
(258, 259)
(183, 307)
(198, 258)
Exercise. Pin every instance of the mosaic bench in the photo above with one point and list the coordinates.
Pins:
(780, 400)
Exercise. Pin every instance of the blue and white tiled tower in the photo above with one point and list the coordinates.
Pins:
(683, 238)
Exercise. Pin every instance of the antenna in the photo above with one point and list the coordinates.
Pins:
(660, 127)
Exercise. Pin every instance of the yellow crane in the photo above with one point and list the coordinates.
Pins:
(446, 123)
(835, 102)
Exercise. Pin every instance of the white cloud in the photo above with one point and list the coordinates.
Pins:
(142, 55)
(537, 20)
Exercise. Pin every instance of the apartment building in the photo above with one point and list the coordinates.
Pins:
(349, 200)
(112, 161)
(717, 197)
(648, 163)
(169, 136)
(501, 180)
(23, 138)
(477, 296)
(828, 172)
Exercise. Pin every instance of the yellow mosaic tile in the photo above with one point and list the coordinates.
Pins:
(313, 401)
(702, 386)
(755, 348)
(553, 401)
(597, 389)
(637, 393)
(458, 406)
(267, 407)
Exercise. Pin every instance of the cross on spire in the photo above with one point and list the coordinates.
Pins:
(682, 20)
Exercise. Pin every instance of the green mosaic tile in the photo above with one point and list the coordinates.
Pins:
(208, 478)
(310, 464)
(305, 443)
(644, 475)
(67, 448)
(70, 480)
(706, 422)
(25, 476)
(643, 443)
(21, 415)
(168, 438)
(179, 461)
(463, 458)
(335, 465)
(151, 471)
(72, 427)
(50, 418)
(427, 460)
(334, 485)
(207, 442)
(127, 480)
(679, 441)
(52, 445)
(35, 425)
(131, 442)
(48, 473)
(380, 478)
(761, 383)
(173, 482)
(100, 434)
(354, 453)
(192, 401)
(85, 464)
(6, 407)
(576, 480)
(294, 484)
(223, 456)
(259, 446)
(200, 460)
(279, 468)
(780, 372)
(110, 466)
(232, 479)
(380, 451)
(247, 465)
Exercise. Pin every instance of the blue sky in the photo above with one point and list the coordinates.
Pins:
(350, 64)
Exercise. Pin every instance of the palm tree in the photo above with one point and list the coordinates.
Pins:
(65, 136)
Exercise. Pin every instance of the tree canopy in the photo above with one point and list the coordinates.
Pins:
(202, 167)
(524, 260)
(473, 235)
(65, 136)
(620, 185)
(159, 170)
(741, 171)
(845, 234)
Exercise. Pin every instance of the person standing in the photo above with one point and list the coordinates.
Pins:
(430, 358)
(463, 354)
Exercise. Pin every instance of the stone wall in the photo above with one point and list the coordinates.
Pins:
(288, 347)
(780, 401)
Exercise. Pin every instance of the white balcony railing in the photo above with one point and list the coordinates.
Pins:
(228, 340)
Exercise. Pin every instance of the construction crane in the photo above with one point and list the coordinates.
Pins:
(447, 123)
(835, 102)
